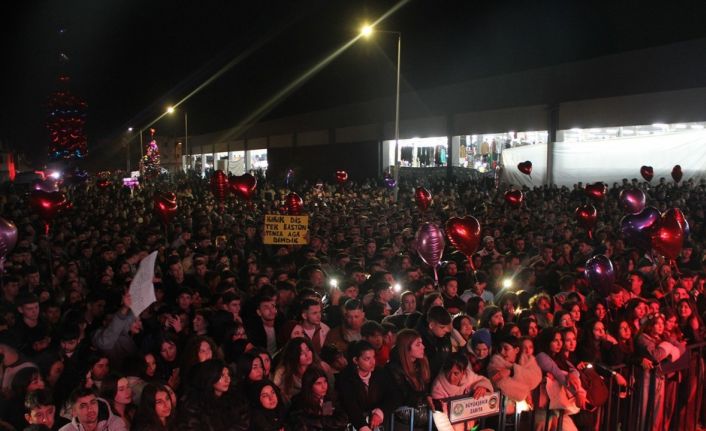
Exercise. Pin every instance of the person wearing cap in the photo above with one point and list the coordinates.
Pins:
(488, 252)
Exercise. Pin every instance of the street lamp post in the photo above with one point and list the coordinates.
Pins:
(366, 32)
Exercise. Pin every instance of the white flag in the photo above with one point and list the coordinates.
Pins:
(141, 287)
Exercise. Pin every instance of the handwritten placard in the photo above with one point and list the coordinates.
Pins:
(286, 229)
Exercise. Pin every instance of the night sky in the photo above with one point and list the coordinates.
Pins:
(132, 58)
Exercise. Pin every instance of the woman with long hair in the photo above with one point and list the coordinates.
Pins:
(117, 392)
(155, 412)
(314, 408)
(563, 387)
(267, 409)
(296, 357)
(210, 403)
(198, 349)
(691, 324)
(249, 370)
(655, 349)
(408, 371)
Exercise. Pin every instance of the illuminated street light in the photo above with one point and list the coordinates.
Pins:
(170, 110)
(366, 31)
(129, 129)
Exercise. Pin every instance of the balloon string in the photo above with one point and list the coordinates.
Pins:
(470, 262)
(590, 234)
(436, 277)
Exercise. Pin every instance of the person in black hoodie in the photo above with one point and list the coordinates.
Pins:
(435, 331)
(268, 412)
(362, 387)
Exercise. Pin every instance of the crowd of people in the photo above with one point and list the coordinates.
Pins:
(346, 329)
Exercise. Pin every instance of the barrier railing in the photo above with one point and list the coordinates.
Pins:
(678, 388)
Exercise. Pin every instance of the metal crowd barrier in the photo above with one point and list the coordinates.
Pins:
(627, 409)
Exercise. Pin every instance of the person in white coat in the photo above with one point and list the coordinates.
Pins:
(513, 373)
(457, 378)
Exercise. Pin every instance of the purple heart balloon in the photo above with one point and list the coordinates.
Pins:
(390, 182)
(430, 244)
(8, 237)
(600, 274)
(636, 227)
(632, 200)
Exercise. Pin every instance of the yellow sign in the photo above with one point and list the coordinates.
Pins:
(286, 229)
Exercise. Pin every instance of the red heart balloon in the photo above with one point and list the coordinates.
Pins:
(677, 174)
(423, 198)
(165, 205)
(668, 238)
(525, 167)
(243, 186)
(586, 216)
(341, 176)
(464, 234)
(219, 185)
(647, 173)
(293, 203)
(514, 197)
(596, 191)
(48, 204)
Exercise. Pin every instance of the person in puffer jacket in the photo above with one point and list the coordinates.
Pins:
(515, 374)
(457, 378)
(91, 413)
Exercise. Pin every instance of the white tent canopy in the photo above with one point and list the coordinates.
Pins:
(609, 160)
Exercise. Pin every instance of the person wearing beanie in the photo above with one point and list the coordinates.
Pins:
(479, 350)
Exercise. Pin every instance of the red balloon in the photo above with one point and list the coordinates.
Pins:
(525, 167)
(341, 176)
(219, 185)
(514, 197)
(243, 186)
(165, 205)
(586, 216)
(293, 203)
(596, 191)
(677, 174)
(647, 173)
(668, 238)
(423, 198)
(464, 234)
(48, 204)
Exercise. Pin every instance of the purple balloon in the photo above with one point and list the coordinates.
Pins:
(390, 182)
(636, 227)
(8, 237)
(600, 274)
(632, 200)
(430, 244)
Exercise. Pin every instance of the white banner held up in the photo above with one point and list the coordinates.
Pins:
(141, 287)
